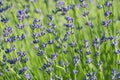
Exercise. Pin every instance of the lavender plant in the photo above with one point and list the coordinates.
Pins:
(59, 40)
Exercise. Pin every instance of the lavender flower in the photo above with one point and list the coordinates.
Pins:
(81, 0)
(23, 54)
(23, 36)
(54, 56)
(86, 45)
(11, 39)
(35, 41)
(77, 6)
(7, 31)
(112, 37)
(36, 25)
(12, 61)
(69, 19)
(106, 22)
(70, 7)
(86, 13)
(89, 23)
(51, 42)
(108, 3)
(28, 76)
(50, 30)
(4, 20)
(72, 44)
(2, 9)
(42, 33)
(36, 20)
(65, 45)
(41, 53)
(76, 60)
(49, 70)
(102, 39)
(43, 45)
(35, 35)
(75, 71)
(84, 4)
(118, 76)
(22, 70)
(20, 26)
(63, 63)
(38, 11)
(60, 4)
(8, 50)
(117, 51)
(64, 10)
(50, 17)
(114, 43)
(91, 76)
(52, 25)
(6, 34)
(89, 60)
(1, 2)
(96, 43)
(65, 37)
(112, 77)
(19, 53)
(107, 13)
(47, 65)
(99, 6)
(21, 14)
(88, 52)
(114, 71)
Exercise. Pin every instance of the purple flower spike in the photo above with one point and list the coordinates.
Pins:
(60, 4)
(28, 76)
(5, 20)
(106, 22)
(21, 14)
(107, 13)
(89, 23)
(69, 19)
(108, 3)
(70, 25)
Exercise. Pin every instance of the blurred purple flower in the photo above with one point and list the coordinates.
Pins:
(21, 14)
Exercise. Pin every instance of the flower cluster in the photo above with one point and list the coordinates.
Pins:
(59, 40)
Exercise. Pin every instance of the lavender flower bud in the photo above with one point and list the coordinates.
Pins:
(90, 24)
(107, 13)
(21, 14)
(108, 3)
(106, 22)
(28, 76)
